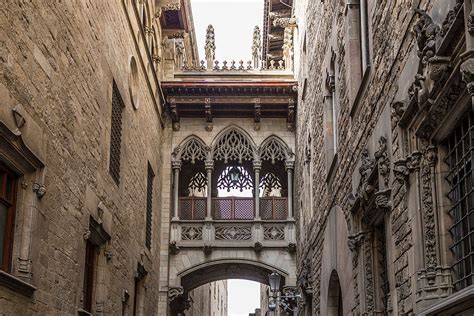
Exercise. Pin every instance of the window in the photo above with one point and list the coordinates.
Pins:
(330, 115)
(364, 35)
(116, 134)
(149, 206)
(460, 160)
(88, 285)
(7, 215)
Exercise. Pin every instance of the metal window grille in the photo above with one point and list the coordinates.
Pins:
(116, 133)
(149, 206)
(460, 159)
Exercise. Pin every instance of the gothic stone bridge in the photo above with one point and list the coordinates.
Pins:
(232, 170)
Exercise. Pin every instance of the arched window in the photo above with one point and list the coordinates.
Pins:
(233, 146)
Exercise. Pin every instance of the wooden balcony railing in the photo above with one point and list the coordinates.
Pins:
(192, 208)
(273, 208)
(233, 208)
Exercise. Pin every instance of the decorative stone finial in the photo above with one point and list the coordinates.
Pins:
(288, 48)
(210, 47)
(256, 47)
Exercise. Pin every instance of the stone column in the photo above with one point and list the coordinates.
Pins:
(176, 165)
(209, 164)
(257, 166)
(289, 165)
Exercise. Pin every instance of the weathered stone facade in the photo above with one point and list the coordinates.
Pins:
(378, 102)
(209, 299)
(58, 62)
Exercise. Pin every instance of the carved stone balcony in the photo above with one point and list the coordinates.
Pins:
(233, 223)
(232, 233)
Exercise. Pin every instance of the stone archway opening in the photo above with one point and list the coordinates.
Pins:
(228, 270)
(335, 307)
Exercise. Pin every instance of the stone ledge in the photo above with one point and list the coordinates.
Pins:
(455, 303)
(13, 283)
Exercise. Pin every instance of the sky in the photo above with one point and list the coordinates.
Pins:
(234, 22)
(244, 297)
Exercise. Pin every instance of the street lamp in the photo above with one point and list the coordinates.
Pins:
(287, 302)
(234, 173)
(275, 280)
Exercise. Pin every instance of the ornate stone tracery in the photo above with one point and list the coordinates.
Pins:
(192, 150)
(226, 182)
(270, 182)
(233, 146)
(274, 150)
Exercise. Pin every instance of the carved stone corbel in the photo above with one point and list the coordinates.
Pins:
(208, 111)
(290, 121)
(437, 67)
(39, 189)
(174, 292)
(174, 114)
(257, 114)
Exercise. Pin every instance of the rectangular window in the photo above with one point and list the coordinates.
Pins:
(88, 286)
(116, 134)
(8, 183)
(460, 159)
(149, 206)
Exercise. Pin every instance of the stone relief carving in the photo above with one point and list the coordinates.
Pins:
(191, 233)
(383, 161)
(210, 47)
(304, 279)
(256, 47)
(427, 164)
(284, 22)
(172, 7)
(174, 292)
(451, 17)
(274, 232)
(174, 248)
(233, 233)
(425, 31)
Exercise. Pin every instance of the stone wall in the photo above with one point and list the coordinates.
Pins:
(209, 299)
(57, 63)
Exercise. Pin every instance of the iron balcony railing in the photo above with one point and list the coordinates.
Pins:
(233, 208)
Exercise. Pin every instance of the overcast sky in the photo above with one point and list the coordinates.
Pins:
(233, 21)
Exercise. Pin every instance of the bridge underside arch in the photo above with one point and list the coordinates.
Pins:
(228, 269)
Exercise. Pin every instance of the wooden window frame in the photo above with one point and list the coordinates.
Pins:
(8, 199)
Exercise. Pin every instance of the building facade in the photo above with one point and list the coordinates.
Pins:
(209, 299)
(134, 177)
(384, 157)
(81, 135)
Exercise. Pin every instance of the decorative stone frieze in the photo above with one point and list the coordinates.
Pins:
(173, 6)
(285, 22)
(427, 164)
